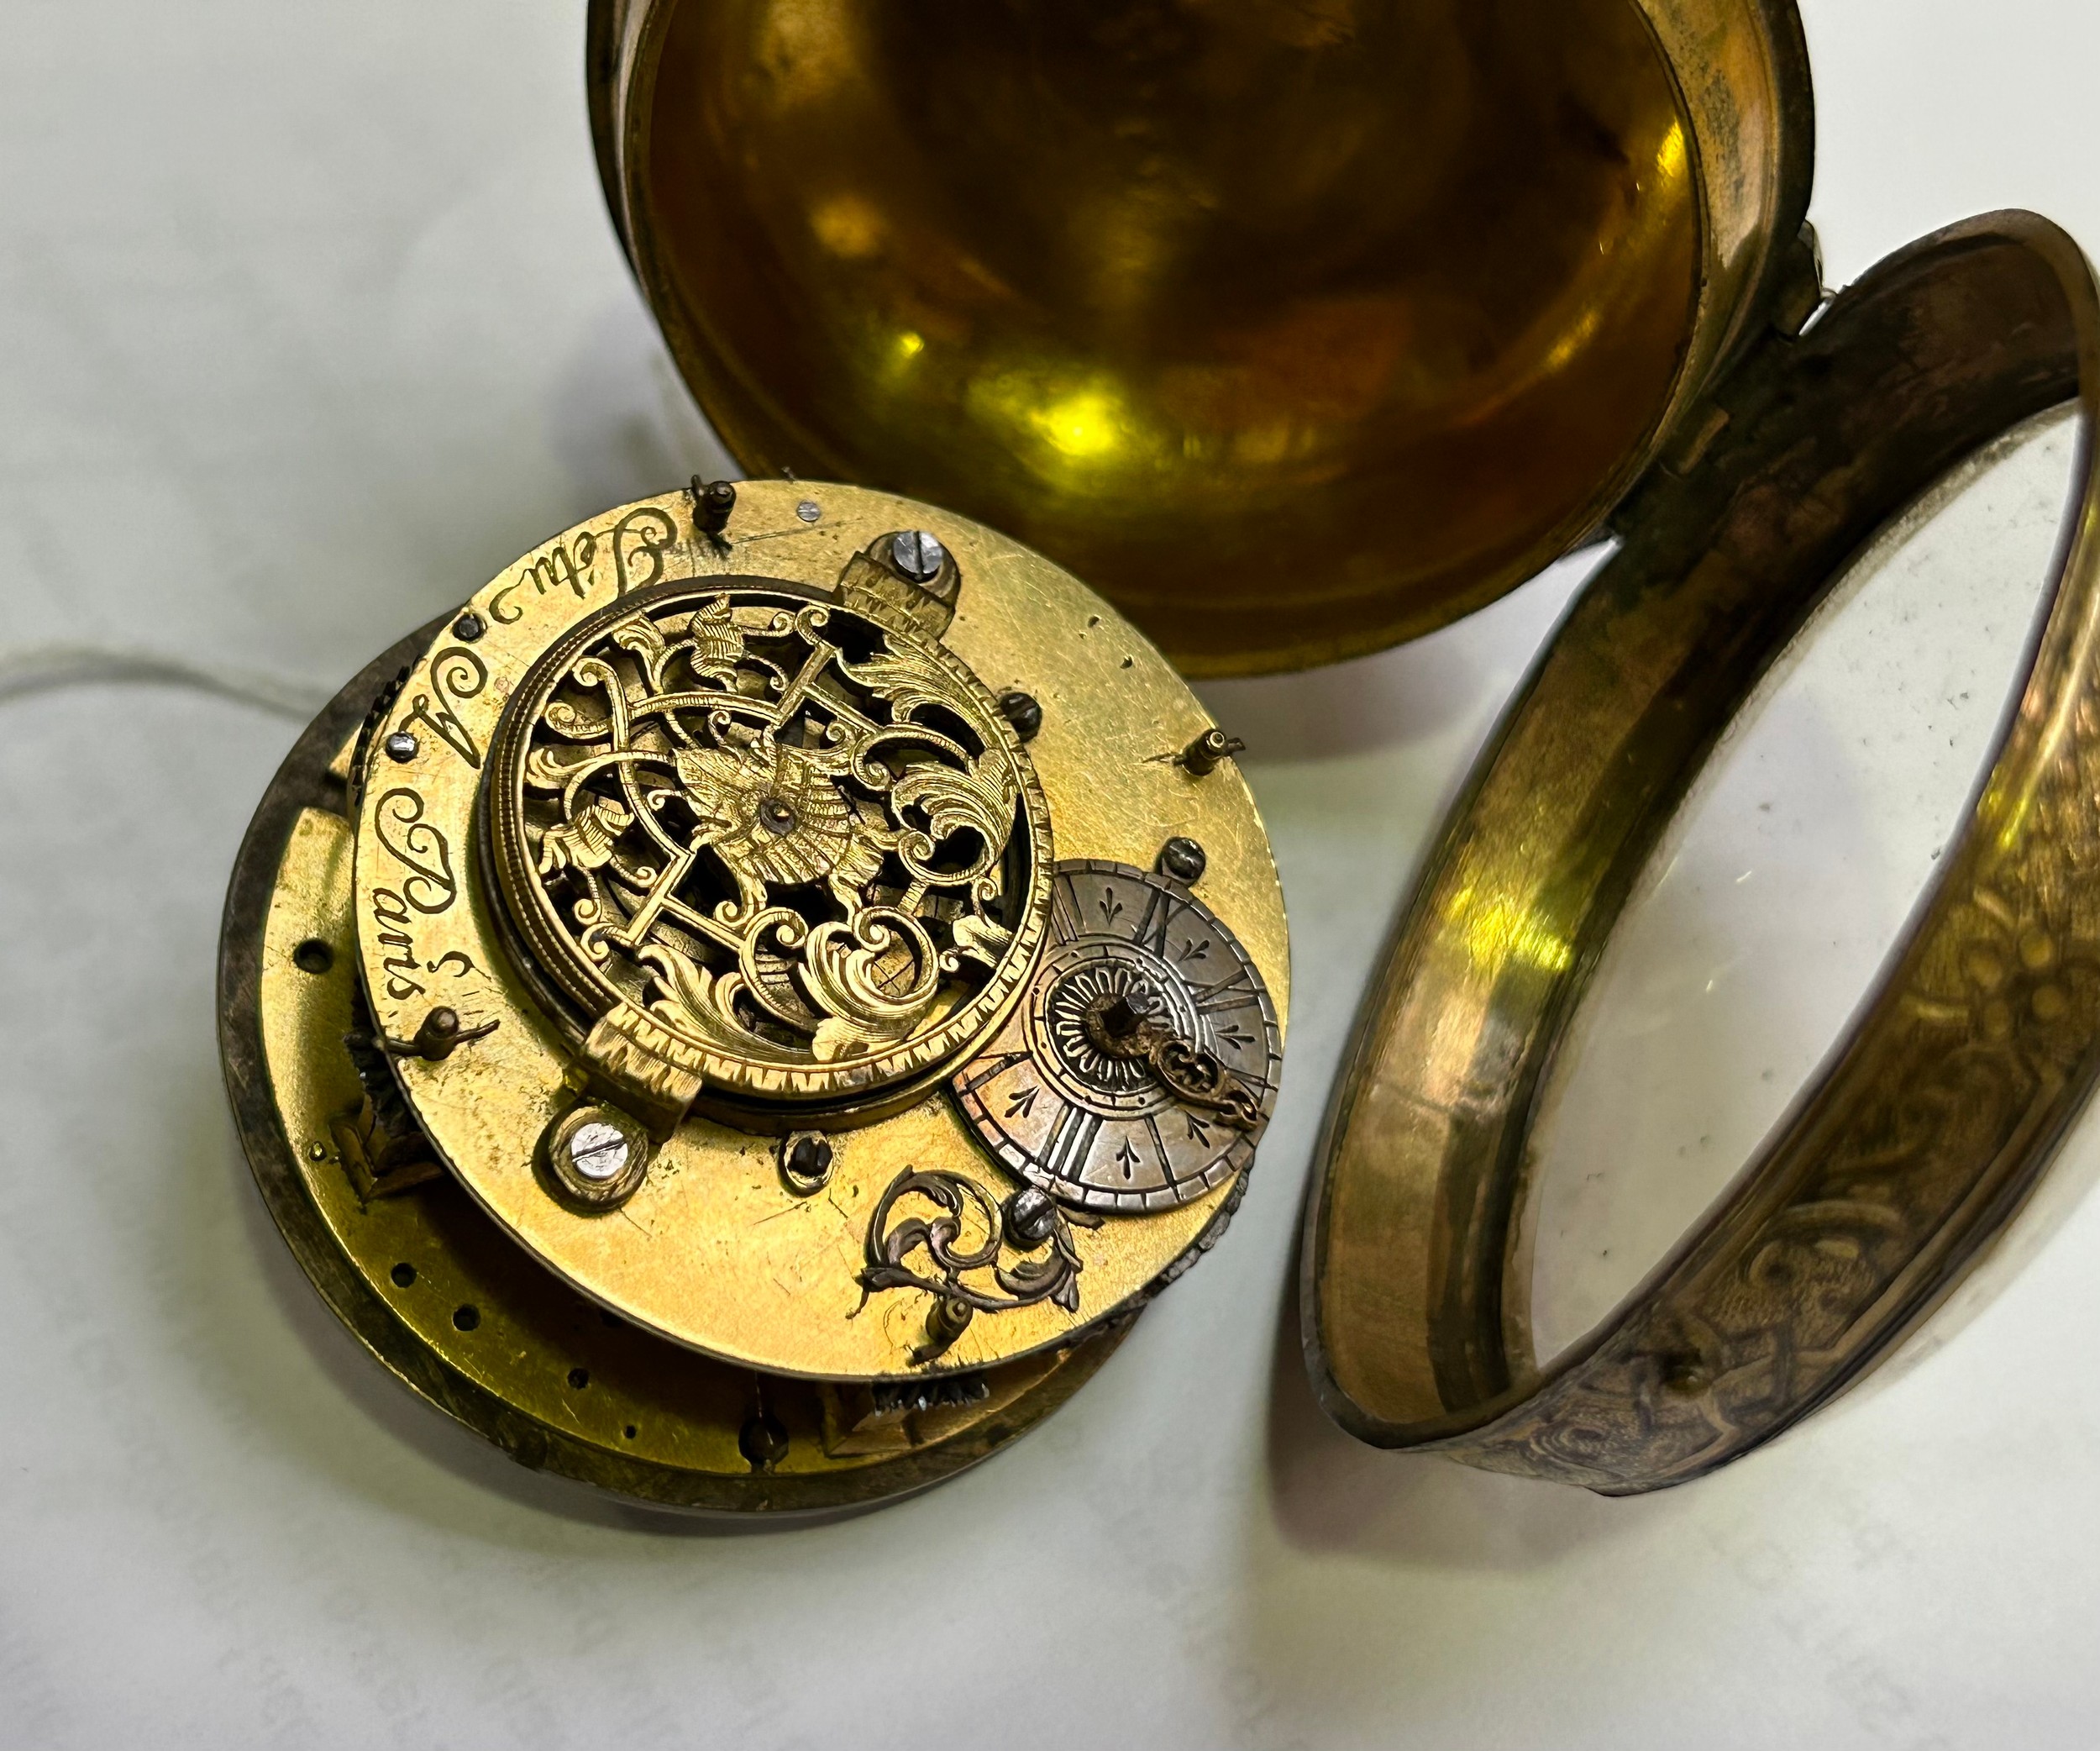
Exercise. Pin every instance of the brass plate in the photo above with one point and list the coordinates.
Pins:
(458, 1313)
(715, 1250)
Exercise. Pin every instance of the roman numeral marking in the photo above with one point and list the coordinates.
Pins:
(1071, 1142)
(1159, 913)
(1237, 992)
(998, 1067)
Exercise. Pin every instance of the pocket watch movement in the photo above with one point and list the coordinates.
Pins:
(803, 933)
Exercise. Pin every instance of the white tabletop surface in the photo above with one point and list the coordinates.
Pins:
(310, 319)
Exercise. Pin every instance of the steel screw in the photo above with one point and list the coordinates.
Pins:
(1022, 711)
(1209, 751)
(402, 746)
(1183, 860)
(599, 1152)
(917, 555)
(596, 1157)
(805, 1161)
(809, 510)
(1030, 1219)
(468, 627)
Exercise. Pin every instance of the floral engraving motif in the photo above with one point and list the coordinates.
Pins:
(786, 832)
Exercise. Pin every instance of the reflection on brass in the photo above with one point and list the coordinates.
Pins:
(1921, 1135)
(467, 1320)
(1296, 329)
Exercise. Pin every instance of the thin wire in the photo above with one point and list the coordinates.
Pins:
(47, 668)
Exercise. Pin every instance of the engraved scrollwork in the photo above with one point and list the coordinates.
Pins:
(967, 1236)
(792, 836)
(1997, 1018)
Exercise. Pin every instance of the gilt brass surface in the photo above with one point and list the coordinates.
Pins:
(710, 661)
(465, 1318)
(1295, 329)
(1934, 1117)
(595, 776)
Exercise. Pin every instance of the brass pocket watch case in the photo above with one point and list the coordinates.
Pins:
(745, 1011)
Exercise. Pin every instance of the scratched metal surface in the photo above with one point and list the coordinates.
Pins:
(309, 318)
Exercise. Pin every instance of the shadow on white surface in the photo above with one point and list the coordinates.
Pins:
(1330, 1493)
(619, 420)
(1419, 695)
